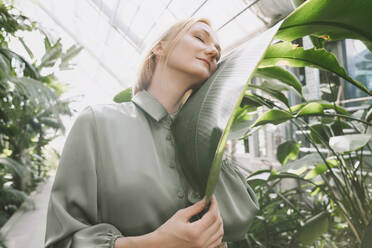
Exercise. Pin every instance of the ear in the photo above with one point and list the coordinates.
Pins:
(159, 49)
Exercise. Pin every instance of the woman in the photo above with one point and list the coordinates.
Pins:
(119, 183)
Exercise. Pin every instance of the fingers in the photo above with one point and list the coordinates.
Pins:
(212, 216)
(216, 238)
(187, 213)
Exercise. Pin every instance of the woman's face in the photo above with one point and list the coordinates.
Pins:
(197, 53)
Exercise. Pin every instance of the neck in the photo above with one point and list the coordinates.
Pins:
(168, 87)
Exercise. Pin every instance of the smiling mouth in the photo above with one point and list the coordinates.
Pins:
(205, 62)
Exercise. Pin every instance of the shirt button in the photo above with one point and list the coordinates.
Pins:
(169, 137)
(180, 194)
(172, 165)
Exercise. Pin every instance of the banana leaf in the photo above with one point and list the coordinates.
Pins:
(203, 124)
(330, 19)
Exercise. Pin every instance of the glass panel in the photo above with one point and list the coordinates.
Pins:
(359, 66)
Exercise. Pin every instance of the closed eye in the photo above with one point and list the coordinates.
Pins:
(199, 38)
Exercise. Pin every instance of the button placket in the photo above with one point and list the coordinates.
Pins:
(180, 194)
(193, 196)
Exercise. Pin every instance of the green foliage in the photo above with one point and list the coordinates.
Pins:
(124, 96)
(331, 206)
(30, 110)
(287, 151)
(332, 20)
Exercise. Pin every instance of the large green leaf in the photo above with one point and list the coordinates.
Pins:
(284, 53)
(203, 124)
(313, 228)
(280, 74)
(332, 19)
(348, 143)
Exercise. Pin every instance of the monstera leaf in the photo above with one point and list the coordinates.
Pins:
(330, 19)
(203, 124)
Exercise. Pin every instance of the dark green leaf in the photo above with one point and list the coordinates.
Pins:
(287, 151)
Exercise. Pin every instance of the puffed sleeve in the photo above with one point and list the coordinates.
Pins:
(73, 212)
(237, 202)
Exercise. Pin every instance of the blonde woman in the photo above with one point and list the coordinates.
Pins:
(119, 183)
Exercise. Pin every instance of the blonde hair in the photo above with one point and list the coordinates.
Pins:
(170, 37)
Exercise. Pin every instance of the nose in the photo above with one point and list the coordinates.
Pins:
(211, 51)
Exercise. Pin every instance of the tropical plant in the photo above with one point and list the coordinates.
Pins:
(227, 102)
(30, 108)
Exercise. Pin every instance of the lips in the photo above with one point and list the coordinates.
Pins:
(206, 61)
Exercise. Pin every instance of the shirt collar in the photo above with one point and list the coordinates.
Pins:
(144, 100)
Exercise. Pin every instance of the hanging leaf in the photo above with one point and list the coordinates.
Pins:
(203, 124)
(313, 228)
(253, 99)
(284, 53)
(124, 96)
(273, 116)
(274, 93)
(280, 74)
(287, 151)
(348, 143)
(332, 20)
(312, 108)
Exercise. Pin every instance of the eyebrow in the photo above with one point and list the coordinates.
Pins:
(216, 45)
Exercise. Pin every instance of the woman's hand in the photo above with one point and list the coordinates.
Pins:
(179, 232)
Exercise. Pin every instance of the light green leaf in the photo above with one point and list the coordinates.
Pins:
(348, 143)
(273, 116)
(312, 108)
(124, 96)
(321, 168)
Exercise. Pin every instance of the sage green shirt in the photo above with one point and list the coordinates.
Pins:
(119, 176)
